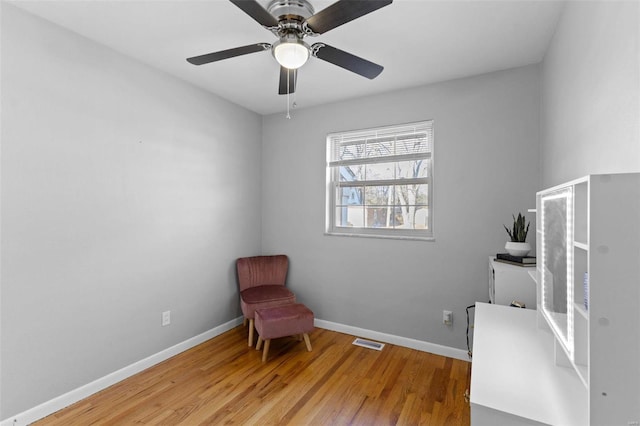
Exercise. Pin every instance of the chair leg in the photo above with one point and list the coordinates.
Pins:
(250, 332)
(259, 344)
(266, 350)
(307, 341)
(244, 322)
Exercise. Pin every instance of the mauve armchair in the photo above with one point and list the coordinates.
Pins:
(262, 285)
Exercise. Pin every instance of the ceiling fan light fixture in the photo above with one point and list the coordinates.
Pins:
(291, 53)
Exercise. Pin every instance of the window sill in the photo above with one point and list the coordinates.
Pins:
(384, 237)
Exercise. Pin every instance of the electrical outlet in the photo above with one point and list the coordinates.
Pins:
(166, 318)
(447, 317)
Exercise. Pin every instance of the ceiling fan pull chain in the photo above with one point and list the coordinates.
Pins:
(288, 92)
(294, 104)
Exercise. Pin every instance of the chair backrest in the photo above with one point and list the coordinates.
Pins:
(262, 270)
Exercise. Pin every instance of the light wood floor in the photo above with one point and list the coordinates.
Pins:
(222, 381)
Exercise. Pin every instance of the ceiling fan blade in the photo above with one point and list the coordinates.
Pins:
(229, 53)
(257, 12)
(289, 84)
(342, 12)
(346, 60)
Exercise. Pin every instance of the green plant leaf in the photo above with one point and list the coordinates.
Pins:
(520, 229)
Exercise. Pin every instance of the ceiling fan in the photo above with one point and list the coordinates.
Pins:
(291, 21)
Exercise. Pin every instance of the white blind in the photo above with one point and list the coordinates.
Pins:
(385, 144)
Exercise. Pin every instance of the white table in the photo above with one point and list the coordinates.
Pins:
(514, 379)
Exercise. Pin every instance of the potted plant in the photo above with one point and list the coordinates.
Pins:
(517, 246)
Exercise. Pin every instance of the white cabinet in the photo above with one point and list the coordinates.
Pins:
(508, 283)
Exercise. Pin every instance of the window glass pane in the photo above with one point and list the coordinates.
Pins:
(380, 171)
(411, 194)
(411, 217)
(412, 169)
(398, 219)
(378, 195)
(350, 216)
(421, 218)
(379, 217)
(352, 173)
(349, 196)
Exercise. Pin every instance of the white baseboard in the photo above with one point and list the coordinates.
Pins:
(394, 340)
(47, 408)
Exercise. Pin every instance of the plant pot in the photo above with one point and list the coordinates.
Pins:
(517, 249)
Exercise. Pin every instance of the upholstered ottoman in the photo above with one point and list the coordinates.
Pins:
(282, 321)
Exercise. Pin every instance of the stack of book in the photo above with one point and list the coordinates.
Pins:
(516, 260)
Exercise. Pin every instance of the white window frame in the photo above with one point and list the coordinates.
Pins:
(422, 129)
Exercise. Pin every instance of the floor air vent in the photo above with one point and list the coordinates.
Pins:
(368, 344)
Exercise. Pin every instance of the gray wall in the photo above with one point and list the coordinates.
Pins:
(125, 192)
(486, 168)
(591, 92)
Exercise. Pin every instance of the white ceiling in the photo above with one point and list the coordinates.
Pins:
(418, 42)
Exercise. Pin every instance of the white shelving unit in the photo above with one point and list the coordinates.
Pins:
(601, 342)
(593, 332)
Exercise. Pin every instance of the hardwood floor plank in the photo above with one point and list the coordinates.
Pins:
(222, 381)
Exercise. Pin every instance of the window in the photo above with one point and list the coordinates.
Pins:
(379, 182)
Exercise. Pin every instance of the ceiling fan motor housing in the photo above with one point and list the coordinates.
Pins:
(284, 10)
